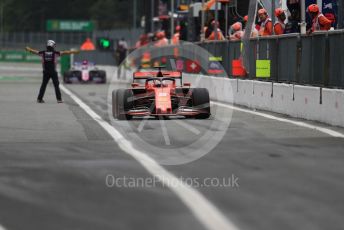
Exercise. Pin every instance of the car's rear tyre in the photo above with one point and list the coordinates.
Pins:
(200, 100)
(75, 74)
(121, 103)
(98, 74)
(66, 77)
(103, 76)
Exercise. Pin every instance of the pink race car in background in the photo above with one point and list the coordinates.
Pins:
(84, 72)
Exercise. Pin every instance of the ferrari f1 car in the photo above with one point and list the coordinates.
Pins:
(160, 94)
(84, 72)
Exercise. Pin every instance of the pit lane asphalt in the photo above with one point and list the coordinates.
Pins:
(54, 161)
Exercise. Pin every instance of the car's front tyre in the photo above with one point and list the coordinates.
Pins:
(122, 102)
(201, 100)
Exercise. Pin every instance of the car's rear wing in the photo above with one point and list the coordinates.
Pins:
(80, 63)
(146, 75)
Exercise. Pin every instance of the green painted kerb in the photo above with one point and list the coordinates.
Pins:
(18, 56)
(14, 78)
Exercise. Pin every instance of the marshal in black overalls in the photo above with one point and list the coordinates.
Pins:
(49, 58)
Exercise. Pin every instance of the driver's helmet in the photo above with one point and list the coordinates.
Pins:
(84, 62)
(51, 43)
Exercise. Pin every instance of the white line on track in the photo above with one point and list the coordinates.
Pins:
(298, 123)
(2, 228)
(164, 131)
(209, 215)
(187, 126)
(142, 124)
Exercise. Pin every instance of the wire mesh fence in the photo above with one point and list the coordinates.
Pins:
(65, 40)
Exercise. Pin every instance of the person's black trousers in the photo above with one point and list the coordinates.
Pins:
(46, 77)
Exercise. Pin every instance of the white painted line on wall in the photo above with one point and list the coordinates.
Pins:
(298, 123)
(209, 215)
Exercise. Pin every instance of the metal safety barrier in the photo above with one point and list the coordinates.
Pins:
(64, 40)
(310, 60)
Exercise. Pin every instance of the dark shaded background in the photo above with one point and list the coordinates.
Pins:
(30, 15)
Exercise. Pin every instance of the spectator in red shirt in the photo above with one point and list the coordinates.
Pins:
(218, 35)
(266, 28)
(142, 41)
(319, 21)
(237, 32)
(279, 26)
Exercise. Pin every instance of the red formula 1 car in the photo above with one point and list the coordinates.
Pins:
(160, 93)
